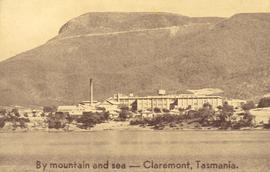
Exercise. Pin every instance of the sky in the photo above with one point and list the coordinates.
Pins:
(26, 24)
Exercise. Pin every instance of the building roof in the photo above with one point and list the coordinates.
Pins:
(66, 107)
(170, 96)
(110, 101)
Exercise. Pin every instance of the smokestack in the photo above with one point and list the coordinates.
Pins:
(91, 91)
(118, 97)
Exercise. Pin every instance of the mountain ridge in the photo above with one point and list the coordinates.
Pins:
(227, 53)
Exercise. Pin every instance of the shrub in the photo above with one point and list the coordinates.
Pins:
(205, 113)
(89, 119)
(157, 110)
(101, 108)
(106, 115)
(207, 105)
(190, 114)
(138, 122)
(2, 122)
(166, 110)
(22, 122)
(158, 120)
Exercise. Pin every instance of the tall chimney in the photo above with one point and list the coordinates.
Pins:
(91, 91)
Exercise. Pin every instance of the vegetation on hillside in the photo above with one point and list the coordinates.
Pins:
(230, 54)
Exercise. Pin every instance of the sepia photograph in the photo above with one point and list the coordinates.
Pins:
(134, 85)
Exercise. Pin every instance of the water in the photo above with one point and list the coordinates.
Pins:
(249, 150)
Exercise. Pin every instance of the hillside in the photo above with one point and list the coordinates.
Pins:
(139, 53)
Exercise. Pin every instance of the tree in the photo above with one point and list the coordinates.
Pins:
(89, 119)
(224, 115)
(15, 111)
(228, 109)
(49, 109)
(123, 115)
(3, 112)
(206, 113)
(249, 105)
(264, 102)
(57, 120)
(188, 108)
(207, 106)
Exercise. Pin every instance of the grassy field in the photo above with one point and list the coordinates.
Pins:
(249, 150)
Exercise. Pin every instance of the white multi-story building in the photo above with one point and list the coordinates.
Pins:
(168, 101)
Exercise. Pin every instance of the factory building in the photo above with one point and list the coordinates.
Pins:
(236, 103)
(163, 101)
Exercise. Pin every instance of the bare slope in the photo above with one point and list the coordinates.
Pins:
(141, 52)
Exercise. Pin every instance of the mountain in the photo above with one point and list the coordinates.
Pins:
(140, 53)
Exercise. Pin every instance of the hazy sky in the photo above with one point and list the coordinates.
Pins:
(25, 24)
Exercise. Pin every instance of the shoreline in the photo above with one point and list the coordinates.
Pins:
(124, 126)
